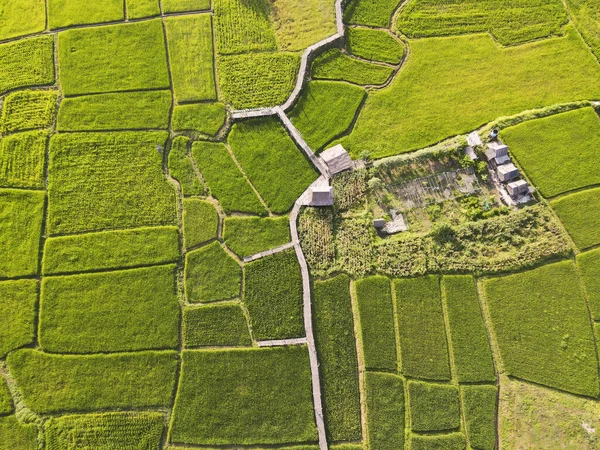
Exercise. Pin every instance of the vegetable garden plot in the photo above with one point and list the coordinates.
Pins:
(124, 57)
(66, 13)
(376, 13)
(139, 9)
(479, 407)
(191, 57)
(131, 430)
(58, 383)
(200, 221)
(182, 169)
(468, 336)
(13, 14)
(325, 110)
(252, 80)
(589, 269)
(315, 228)
(273, 296)
(423, 348)
(27, 62)
(100, 181)
(144, 110)
(215, 326)
(463, 71)
(275, 166)
(211, 275)
(374, 297)
(374, 45)
(127, 310)
(247, 236)
(28, 110)
(203, 118)
(385, 411)
(110, 250)
(354, 246)
(433, 407)
(22, 159)
(586, 15)
(511, 22)
(21, 215)
(20, 436)
(18, 301)
(252, 396)
(336, 348)
(335, 65)
(543, 328)
(224, 178)
(580, 214)
(558, 153)
(175, 6)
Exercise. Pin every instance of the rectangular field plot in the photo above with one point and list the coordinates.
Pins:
(374, 296)
(558, 153)
(247, 236)
(200, 221)
(191, 56)
(21, 215)
(385, 411)
(139, 9)
(18, 301)
(433, 407)
(65, 13)
(522, 77)
(203, 118)
(589, 268)
(182, 169)
(28, 110)
(110, 312)
(252, 396)
(424, 352)
(510, 22)
(175, 6)
(451, 441)
(479, 408)
(123, 57)
(277, 168)
(543, 328)
(22, 17)
(376, 13)
(100, 181)
(59, 383)
(374, 45)
(215, 326)
(110, 250)
(27, 62)
(470, 344)
(580, 214)
(20, 436)
(22, 159)
(335, 65)
(336, 348)
(224, 178)
(145, 110)
(273, 295)
(123, 430)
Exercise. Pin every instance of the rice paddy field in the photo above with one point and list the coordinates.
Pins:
(173, 275)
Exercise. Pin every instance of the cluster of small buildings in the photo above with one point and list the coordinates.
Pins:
(513, 189)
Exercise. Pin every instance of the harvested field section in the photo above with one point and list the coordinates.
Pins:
(376, 13)
(215, 326)
(325, 110)
(589, 268)
(211, 275)
(58, 383)
(385, 411)
(558, 153)
(203, 118)
(20, 436)
(374, 45)
(145, 110)
(28, 110)
(18, 301)
(247, 236)
(110, 312)
(374, 296)
(191, 57)
(479, 407)
(122, 57)
(543, 328)
(277, 168)
(336, 348)
(273, 296)
(470, 343)
(14, 11)
(200, 221)
(424, 352)
(182, 169)
(100, 181)
(335, 65)
(22, 159)
(580, 214)
(104, 431)
(224, 178)
(433, 407)
(66, 13)
(21, 215)
(252, 396)
(110, 250)
(26, 63)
